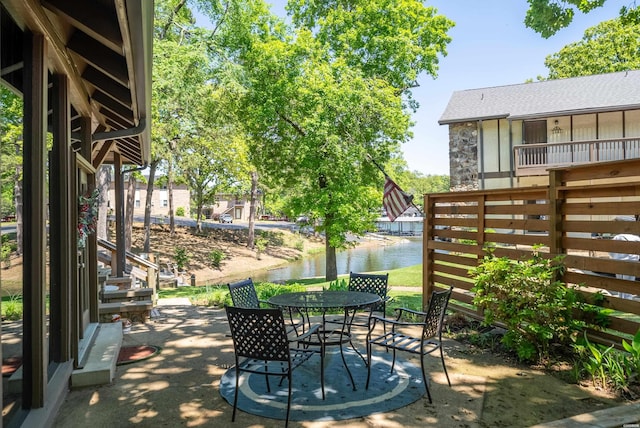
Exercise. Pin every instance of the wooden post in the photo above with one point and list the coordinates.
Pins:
(427, 260)
(35, 357)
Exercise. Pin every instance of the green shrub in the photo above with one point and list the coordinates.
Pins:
(182, 257)
(536, 308)
(261, 245)
(12, 308)
(338, 285)
(180, 211)
(299, 244)
(215, 257)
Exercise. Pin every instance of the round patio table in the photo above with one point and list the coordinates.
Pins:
(306, 302)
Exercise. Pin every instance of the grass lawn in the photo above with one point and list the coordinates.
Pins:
(218, 295)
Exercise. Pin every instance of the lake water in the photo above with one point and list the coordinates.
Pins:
(407, 252)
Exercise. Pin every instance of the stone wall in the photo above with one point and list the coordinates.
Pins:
(463, 156)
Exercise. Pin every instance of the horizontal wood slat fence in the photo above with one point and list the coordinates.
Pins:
(574, 216)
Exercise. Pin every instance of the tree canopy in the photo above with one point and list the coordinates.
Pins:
(605, 48)
(547, 17)
(333, 90)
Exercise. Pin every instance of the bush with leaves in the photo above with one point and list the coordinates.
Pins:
(181, 257)
(215, 258)
(536, 308)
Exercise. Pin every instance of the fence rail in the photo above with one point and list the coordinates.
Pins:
(574, 216)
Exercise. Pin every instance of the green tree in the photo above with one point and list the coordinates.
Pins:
(605, 48)
(11, 158)
(320, 100)
(547, 17)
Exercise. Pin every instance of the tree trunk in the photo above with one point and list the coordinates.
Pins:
(147, 206)
(131, 197)
(104, 181)
(252, 209)
(331, 268)
(199, 216)
(172, 221)
(17, 194)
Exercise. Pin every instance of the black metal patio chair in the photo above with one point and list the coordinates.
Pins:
(370, 283)
(261, 346)
(243, 295)
(398, 340)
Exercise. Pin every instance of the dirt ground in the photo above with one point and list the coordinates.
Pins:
(515, 395)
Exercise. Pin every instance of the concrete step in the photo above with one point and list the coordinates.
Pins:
(100, 366)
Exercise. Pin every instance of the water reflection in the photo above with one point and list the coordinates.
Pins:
(407, 252)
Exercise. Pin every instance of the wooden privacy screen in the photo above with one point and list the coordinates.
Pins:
(575, 216)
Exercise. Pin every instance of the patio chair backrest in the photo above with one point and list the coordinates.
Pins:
(258, 334)
(370, 283)
(243, 294)
(435, 314)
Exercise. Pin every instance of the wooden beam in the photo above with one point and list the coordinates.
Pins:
(92, 18)
(101, 57)
(114, 107)
(105, 84)
(102, 153)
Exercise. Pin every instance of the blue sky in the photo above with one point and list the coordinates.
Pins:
(490, 47)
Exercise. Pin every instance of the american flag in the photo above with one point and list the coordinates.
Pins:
(395, 200)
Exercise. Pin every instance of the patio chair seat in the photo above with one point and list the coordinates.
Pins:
(397, 340)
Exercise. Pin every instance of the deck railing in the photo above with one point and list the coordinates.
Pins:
(535, 159)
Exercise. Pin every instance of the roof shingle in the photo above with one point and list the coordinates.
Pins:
(576, 95)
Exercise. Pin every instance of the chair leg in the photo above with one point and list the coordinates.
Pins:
(443, 366)
(368, 364)
(393, 361)
(424, 378)
(286, 421)
(235, 396)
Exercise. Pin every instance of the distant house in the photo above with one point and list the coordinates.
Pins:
(235, 205)
(159, 199)
(508, 136)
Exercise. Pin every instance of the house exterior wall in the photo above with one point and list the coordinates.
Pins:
(237, 206)
(159, 200)
(481, 154)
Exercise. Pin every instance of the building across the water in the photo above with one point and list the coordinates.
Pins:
(402, 226)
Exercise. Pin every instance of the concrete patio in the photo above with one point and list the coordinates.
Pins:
(179, 387)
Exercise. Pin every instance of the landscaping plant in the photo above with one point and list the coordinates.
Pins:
(215, 258)
(536, 309)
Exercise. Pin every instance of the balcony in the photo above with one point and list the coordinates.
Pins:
(535, 159)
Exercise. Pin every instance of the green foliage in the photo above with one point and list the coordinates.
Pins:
(608, 367)
(633, 349)
(261, 245)
(605, 48)
(339, 89)
(536, 308)
(180, 211)
(547, 17)
(338, 285)
(12, 308)
(215, 257)
(181, 257)
(299, 244)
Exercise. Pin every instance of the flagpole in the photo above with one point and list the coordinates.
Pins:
(385, 174)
